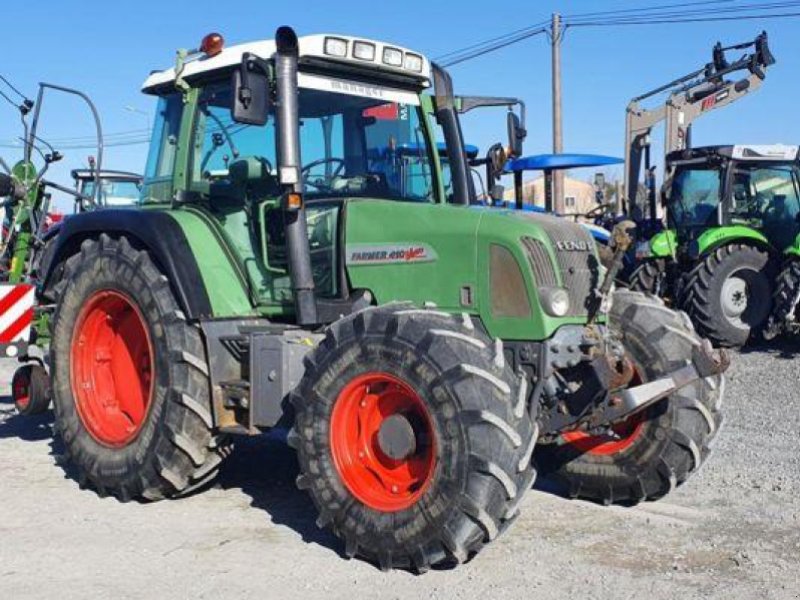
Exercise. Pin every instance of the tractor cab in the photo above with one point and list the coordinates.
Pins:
(752, 187)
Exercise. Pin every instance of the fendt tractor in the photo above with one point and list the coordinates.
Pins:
(281, 273)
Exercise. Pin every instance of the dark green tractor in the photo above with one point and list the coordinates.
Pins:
(287, 269)
(732, 218)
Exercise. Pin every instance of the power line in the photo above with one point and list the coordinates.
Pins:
(486, 49)
(490, 40)
(14, 89)
(646, 8)
(660, 11)
(679, 20)
(685, 14)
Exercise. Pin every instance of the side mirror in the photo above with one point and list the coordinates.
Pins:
(250, 93)
(516, 134)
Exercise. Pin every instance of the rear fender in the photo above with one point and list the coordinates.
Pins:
(165, 238)
(793, 251)
(712, 239)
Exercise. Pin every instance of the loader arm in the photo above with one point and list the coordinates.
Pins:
(690, 97)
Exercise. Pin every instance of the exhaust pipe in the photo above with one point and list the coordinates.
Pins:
(447, 117)
(289, 172)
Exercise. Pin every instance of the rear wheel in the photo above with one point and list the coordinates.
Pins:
(728, 295)
(413, 436)
(30, 389)
(130, 377)
(785, 300)
(650, 277)
(645, 457)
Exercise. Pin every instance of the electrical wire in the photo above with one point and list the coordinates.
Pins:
(683, 15)
(492, 40)
(492, 48)
(14, 89)
(689, 20)
(7, 99)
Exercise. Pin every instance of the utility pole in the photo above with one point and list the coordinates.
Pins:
(558, 140)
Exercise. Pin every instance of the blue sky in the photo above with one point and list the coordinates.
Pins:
(107, 49)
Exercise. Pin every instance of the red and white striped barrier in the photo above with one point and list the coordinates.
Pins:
(16, 317)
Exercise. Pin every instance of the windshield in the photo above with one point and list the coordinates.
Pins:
(114, 193)
(694, 196)
(351, 146)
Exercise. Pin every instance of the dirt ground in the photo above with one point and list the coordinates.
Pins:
(733, 531)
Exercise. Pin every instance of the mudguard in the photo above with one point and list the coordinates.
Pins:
(718, 236)
(158, 232)
(794, 248)
(663, 244)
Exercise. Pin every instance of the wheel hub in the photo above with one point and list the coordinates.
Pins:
(382, 441)
(111, 367)
(396, 437)
(734, 297)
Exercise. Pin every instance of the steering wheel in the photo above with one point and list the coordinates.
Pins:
(598, 211)
(323, 183)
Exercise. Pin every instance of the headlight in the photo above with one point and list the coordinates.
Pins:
(336, 47)
(555, 301)
(363, 51)
(413, 62)
(392, 57)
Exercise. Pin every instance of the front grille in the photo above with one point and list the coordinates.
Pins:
(576, 260)
(543, 270)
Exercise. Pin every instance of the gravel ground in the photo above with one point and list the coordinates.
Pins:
(733, 531)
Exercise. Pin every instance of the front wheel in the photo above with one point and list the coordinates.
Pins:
(413, 436)
(645, 457)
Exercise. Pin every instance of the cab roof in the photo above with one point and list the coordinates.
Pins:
(744, 152)
(310, 47)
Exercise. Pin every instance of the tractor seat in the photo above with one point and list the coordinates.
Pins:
(252, 178)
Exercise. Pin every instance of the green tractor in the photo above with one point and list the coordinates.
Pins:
(423, 352)
(733, 214)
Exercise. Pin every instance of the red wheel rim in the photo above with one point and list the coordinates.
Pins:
(377, 480)
(605, 445)
(626, 432)
(21, 391)
(112, 368)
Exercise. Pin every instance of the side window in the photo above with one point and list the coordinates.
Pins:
(163, 146)
(775, 202)
(218, 142)
(775, 190)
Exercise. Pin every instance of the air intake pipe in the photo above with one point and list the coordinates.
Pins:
(447, 117)
(290, 175)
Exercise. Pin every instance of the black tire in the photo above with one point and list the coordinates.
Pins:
(482, 427)
(30, 388)
(674, 437)
(176, 449)
(784, 307)
(649, 277)
(702, 297)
